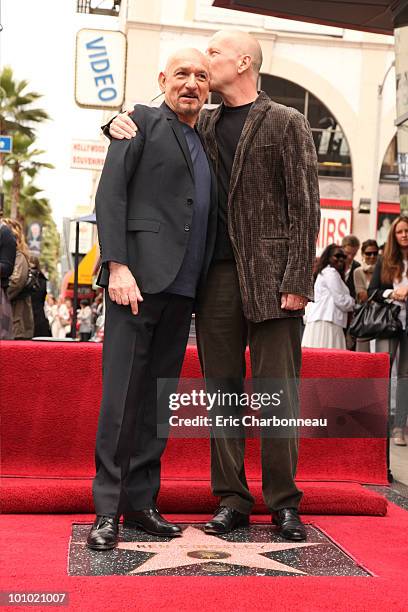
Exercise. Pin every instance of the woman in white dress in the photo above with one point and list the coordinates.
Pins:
(59, 317)
(326, 317)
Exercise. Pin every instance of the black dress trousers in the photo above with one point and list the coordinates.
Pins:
(138, 349)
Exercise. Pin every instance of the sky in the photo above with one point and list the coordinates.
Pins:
(38, 42)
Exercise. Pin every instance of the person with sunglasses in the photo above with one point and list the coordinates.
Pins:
(362, 277)
(390, 277)
(326, 317)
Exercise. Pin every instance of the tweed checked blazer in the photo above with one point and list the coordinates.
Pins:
(273, 205)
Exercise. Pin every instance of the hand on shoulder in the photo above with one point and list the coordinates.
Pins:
(123, 126)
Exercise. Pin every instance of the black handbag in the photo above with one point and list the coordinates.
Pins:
(376, 318)
(32, 284)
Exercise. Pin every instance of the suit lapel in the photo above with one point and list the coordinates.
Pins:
(179, 134)
(252, 123)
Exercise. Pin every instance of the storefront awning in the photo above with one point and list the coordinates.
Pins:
(389, 207)
(380, 16)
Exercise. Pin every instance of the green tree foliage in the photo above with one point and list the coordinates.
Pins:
(19, 116)
(50, 250)
(22, 163)
(16, 106)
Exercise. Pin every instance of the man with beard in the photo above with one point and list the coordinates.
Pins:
(156, 216)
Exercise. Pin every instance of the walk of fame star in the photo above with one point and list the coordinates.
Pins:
(254, 551)
(196, 547)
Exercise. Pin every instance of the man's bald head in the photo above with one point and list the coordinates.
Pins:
(186, 55)
(243, 44)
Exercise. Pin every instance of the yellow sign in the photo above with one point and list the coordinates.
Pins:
(86, 267)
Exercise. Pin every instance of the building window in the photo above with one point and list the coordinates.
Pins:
(331, 144)
(389, 168)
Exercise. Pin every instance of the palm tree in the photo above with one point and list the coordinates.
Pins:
(18, 117)
(32, 207)
(16, 111)
(22, 163)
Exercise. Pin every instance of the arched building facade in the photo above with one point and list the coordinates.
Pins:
(329, 74)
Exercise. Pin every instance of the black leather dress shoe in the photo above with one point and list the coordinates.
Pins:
(103, 534)
(225, 520)
(289, 523)
(151, 521)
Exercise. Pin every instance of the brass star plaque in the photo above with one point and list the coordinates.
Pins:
(254, 551)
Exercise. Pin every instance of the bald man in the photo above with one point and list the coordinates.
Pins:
(260, 276)
(156, 213)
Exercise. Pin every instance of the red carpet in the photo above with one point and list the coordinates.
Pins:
(35, 558)
(50, 396)
(24, 495)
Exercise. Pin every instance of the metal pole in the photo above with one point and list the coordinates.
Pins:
(76, 265)
(401, 75)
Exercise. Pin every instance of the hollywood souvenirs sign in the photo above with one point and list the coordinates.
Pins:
(100, 69)
(88, 154)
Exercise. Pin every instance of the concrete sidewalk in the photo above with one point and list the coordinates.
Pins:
(399, 462)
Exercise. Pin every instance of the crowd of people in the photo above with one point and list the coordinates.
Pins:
(26, 309)
(341, 284)
(60, 317)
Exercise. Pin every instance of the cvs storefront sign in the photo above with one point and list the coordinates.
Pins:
(335, 222)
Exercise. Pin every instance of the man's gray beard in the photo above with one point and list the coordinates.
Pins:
(190, 111)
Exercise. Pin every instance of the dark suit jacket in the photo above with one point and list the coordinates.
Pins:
(273, 205)
(144, 202)
(350, 279)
